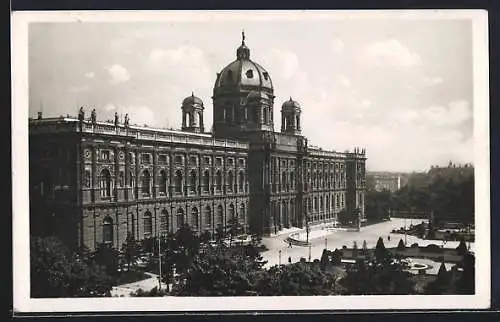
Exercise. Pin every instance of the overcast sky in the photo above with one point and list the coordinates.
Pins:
(401, 89)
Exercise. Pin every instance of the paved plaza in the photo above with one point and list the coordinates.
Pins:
(338, 238)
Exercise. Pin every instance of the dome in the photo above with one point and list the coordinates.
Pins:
(243, 72)
(254, 95)
(192, 100)
(290, 104)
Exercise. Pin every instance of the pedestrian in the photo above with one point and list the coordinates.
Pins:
(289, 260)
(389, 238)
(289, 244)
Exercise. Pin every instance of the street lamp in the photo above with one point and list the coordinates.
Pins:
(279, 257)
(309, 253)
(326, 243)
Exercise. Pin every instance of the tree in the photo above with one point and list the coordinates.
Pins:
(384, 276)
(354, 249)
(461, 248)
(465, 284)
(107, 257)
(215, 273)
(337, 257)
(365, 248)
(380, 250)
(130, 248)
(325, 258)
(299, 279)
(401, 245)
(56, 272)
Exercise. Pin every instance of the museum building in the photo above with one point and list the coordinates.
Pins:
(94, 182)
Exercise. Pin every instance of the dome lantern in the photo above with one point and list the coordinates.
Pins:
(192, 114)
(243, 51)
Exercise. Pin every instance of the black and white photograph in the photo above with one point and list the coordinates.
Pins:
(256, 160)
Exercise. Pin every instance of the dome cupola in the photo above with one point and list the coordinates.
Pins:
(192, 114)
(290, 117)
(243, 51)
(290, 105)
(243, 96)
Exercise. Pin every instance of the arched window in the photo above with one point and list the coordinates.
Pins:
(87, 179)
(121, 179)
(256, 114)
(189, 119)
(206, 181)
(164, 221)
(231, 212)
(320, 203)
(146, 183)
(192, 181)
(218, 181)
(327, 203)
(297, 118)
(242, 212)
(208, 216)
(230, 181)
(315, 203)
(178, 181)
(337, 201)
(180, 218)
(314, 179)
(283, 180)
(266, 115)
(220, 216)
(131, 183)
(148, 223)
(162, 187)
(105, 183)
(200, 119)
(107, 230)
(194, 218)
(241, 181)
(292, 180)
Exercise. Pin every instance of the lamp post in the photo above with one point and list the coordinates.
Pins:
(279, 257)
(159, 261)
(326, 243)
(309, 253)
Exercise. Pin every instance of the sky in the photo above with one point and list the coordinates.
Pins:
(402, 89)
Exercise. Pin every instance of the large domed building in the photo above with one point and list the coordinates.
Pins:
(94, 182)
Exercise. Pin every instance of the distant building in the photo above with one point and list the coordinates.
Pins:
(451, 171)
(380, 181)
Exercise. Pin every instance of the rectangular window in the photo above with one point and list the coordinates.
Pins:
(218, 162)
(105, 155)
(162, 158)
(146, 158)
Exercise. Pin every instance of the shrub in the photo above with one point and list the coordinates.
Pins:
(414, 245)
(462, 248)
(401, 245)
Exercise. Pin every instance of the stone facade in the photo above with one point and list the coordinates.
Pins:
(94, 182)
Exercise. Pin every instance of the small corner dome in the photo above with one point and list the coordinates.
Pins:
(290, 104)
(192, 100)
